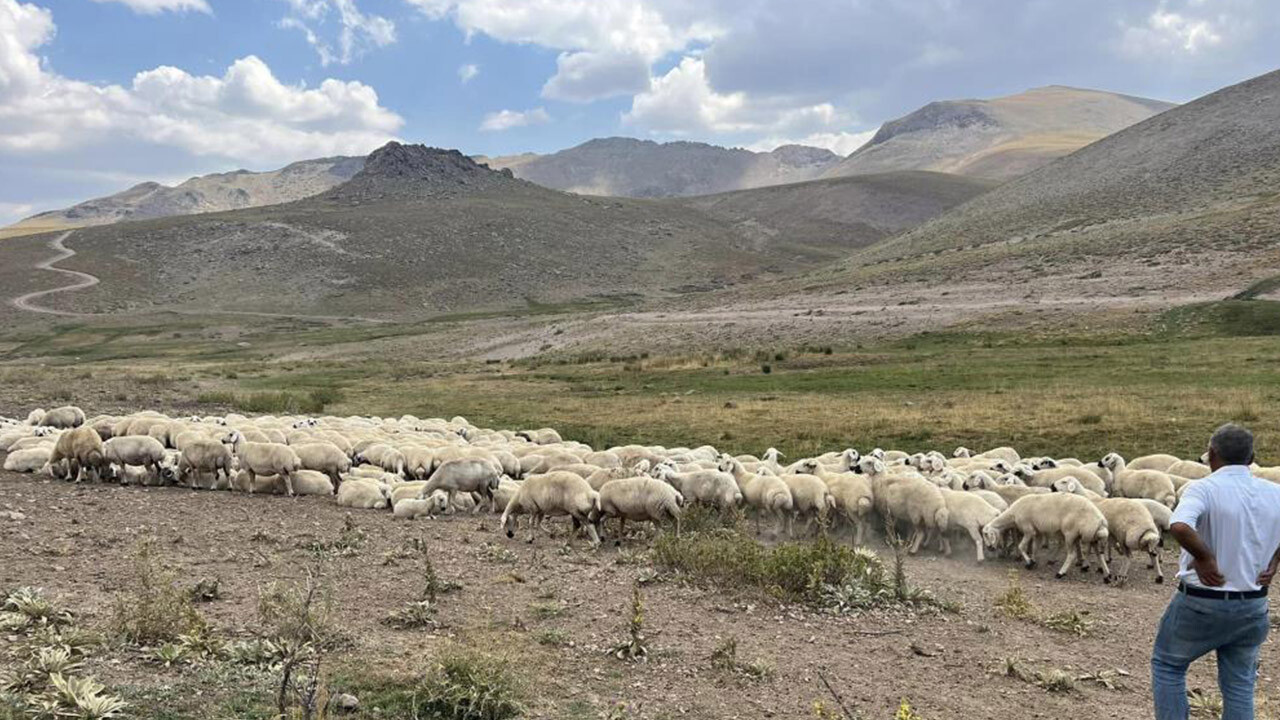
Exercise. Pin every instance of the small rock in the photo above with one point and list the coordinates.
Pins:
(16, 516)
(346, 702)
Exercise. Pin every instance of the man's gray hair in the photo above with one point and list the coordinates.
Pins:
(1233, 444)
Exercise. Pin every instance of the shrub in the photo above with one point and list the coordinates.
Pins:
(636, 647)
(153, 608)
(470, 686)
(1014, 602)
(820, 573)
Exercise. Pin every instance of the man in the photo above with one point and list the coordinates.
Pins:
(1229, 527)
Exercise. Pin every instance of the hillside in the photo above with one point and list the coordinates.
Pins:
(838, 215)
(1212, 166)
(208, 193)
(417, 232)
(626, 167)
(1000, 138)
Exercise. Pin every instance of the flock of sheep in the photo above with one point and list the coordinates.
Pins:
(414, 467)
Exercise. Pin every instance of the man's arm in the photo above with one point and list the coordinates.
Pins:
(1265, 578)
(1203, 560)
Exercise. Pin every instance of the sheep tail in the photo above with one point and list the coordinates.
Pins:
(942, 517)
(830, 501)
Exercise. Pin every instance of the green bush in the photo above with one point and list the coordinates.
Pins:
(153, 608)
(466, 685)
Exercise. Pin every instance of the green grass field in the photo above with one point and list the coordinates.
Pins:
(1082, 396)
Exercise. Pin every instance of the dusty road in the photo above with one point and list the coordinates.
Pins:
(82, 280)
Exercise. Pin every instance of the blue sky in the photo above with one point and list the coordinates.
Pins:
(96, 95)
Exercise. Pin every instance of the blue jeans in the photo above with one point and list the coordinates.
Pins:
(1190, 629)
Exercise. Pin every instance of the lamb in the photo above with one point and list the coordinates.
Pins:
(35, 416)
(384, 456)
(1010, 493)
(1007, 454)
(1073, 518)
(324, 457)
(410, 508)
(967, 512)
(768, 494)
(205, 456)
(1140, 483)
(266, 459)
(1047, 477)
(65, 418)
(135, 450)
(640, 498)
(407, 491)
(710, 487)
(81, 449)
(553, 494)
(464, 475)
(244, 482)
(29, 460)
(363, 494)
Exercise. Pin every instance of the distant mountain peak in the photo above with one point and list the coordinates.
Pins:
(400, 171)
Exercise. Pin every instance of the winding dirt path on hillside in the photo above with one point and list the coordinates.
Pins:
(82, 280)
(85, 280)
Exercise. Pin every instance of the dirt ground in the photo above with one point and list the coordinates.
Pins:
(78, 541)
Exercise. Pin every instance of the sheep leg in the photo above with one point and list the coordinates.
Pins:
(1155, 559)
(1023, 545)
(288, 483)
(252, 479)
(944, 544)
(1071, 558)
(622, 530)
(975, 534)
(918, 536)
(791, 525)
(858, 527)
(449, 510)
(591, 533)
(534, 523)
(1106, 570)
(677, 517)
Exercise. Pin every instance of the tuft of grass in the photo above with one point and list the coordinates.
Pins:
(906, 712)
(725, 658)
(1052, 680)
(821, 573)
(1074, 622)
(553, 637)
(547, 610)
(1013, 602)
(152, 608)
(464, 685)
(636, 647)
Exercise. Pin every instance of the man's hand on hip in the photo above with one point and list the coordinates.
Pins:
(1207, 570)
(1265, 578)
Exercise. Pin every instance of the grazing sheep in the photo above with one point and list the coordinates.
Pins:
(1161, 462)
(1189, 469)
(967, 512)
(1140, 483)
(35, 416)
(363, 494)
(541, 436)
(63, 418)
(553, 494)
(464, 475)
(384, 456)
(266, 459)
(135, 450)
(1071, 517)
(639, 499)
(29, 460)
(81, 449)
(203, 456)
(710, 487)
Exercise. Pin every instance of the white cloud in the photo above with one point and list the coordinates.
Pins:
(1168, 31)
(840, 143)
(608, 44)
(154, 7)
(247, 114)
(587, 76)
(507, 119)
(682, 102)
(357, 32)
(13, 212)
(468, 72)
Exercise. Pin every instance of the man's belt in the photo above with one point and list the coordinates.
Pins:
(1200, 592)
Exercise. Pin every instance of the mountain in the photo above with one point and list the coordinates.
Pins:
(998, 139)
(207, 193)
(418, 231)
(835, 216)
(1204, 173)
(626, 167)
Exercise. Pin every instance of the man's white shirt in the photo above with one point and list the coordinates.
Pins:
(1238, 517)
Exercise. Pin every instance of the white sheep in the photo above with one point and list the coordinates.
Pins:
(324, 457)
(852, 493)
(1160, 461)
(553, 494)
(469, 475)
(312, 482)
(363, 494)
(266, 459)
(1070, 517)
(967, 512)
(1131, 527)
(29, 460)
(1140, 483)
(766, 494)
(639, 499)
(136, 450)
(1189, 469)
(410, 508)
(81, 450)
(64, 418)
(1046, 477)
(204, 455)
(710, 487)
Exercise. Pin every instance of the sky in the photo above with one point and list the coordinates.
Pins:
(98, 95)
